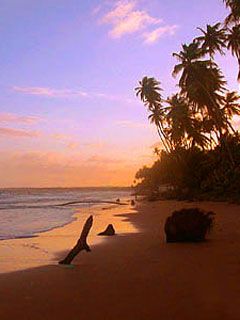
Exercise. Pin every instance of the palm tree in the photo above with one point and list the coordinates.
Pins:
(232, 104)
(231, 107)
(234, 16)
(212, 40)
(186, 56)
(157, 151)
(185, 128)
(209, 129)
(179, 120)
(149, 91)
(157, 117)
(202, 82)
(233, 39)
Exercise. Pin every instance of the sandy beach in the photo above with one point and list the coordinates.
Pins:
(135, 275)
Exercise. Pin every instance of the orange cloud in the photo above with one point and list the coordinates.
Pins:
(37, 169)
(60, 136)
(72, 145)
(11, 117)
(103, 160)
(17, 133)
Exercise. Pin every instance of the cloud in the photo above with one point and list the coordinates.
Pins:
(72, 142)
(60, 136)
(132, 124)
(68, 93)
(95, 145)
(49, 169)
(125, 18)
(121, 10)
(72, 145)
(15, 118)
(17, 133)
(103, 160)
(50, 92)
(155, 35)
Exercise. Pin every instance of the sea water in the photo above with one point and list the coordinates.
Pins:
(26, 212)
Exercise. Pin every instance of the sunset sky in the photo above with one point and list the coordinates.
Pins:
(68, 114)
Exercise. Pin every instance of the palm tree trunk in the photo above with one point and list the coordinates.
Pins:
(168, 143)
(162, 139)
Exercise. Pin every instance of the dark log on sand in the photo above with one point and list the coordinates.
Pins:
(81, 244)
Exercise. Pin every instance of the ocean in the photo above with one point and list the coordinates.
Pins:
(26, 212)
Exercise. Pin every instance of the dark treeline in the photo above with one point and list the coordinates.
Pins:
(199, 154)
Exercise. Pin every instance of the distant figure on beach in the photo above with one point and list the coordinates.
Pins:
(132, 203)
(118, 200)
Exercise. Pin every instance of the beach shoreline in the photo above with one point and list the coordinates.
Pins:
(137, 275)
(45, 248)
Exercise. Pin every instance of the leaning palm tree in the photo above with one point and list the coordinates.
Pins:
(179, 120)
(202, 82)
(209, 129)
(232, 104)
(231, 108)
(186, 56)
(186, 130)
(149, 91)
(212, 40)
(233, 43)
(157, 117)
(234, 16)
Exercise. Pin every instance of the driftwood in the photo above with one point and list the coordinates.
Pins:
(89, 201)
(109, 231)
(81, 244)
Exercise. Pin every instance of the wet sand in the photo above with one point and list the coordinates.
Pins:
(135, 275)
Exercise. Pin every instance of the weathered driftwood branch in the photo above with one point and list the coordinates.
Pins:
(81, 244)
(90, 201)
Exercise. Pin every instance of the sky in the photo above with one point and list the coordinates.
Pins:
(68, 112)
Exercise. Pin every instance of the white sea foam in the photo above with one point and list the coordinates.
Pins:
(25, 212)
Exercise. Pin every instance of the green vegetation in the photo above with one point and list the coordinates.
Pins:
(199, 155)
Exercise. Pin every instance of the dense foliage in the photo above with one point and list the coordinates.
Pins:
(199, 155)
